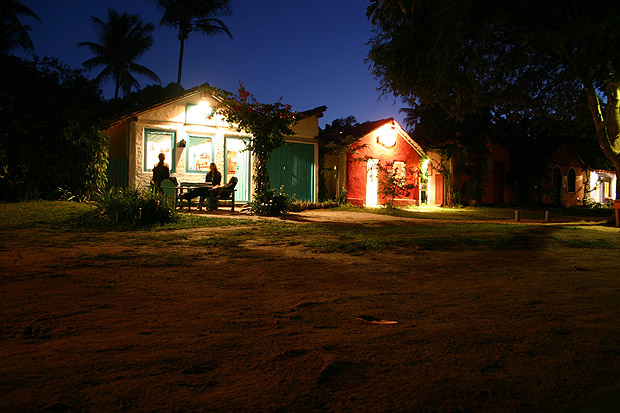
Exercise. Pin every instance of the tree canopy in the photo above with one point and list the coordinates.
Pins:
(189, 16)
(51, 135)
(14, 34)
(269, 124)
(530, 56)
(123, 39)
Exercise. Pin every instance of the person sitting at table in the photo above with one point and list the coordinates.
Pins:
(221, 191)
(214, 176)
(213, 179)
(161, 171)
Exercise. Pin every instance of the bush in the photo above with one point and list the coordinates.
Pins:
(271, 204)
(50, 131)
(302, 206)
(135, 207)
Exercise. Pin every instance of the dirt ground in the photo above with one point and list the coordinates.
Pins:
(110, 322)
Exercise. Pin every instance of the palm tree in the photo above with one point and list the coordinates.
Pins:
(13, 33)
(193, 16)
(123, 38)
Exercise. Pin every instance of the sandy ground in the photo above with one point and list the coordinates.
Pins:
(109, 322)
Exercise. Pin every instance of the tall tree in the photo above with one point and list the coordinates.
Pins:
(269, 124)
(51, 127)
(189, 16)
(123, 39)
(13, 33)
(527, 55)
(337, 138)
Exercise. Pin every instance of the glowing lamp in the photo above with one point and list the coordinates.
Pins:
(387, 138)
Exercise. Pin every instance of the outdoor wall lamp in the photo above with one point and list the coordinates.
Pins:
(387, 138)
(182, 143)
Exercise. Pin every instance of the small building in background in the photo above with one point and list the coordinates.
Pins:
(190, 136)
(380, 146)
(602, 187)
(566, 183)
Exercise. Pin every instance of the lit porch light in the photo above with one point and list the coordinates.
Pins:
(425, 164)
(198, 113)
(387, 136)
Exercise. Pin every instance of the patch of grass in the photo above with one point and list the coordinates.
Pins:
(123, 259)
(215, 241)
(42, 213)
(327, 246)
(586, 243)
(425, 243)
(280, 231)
(163, 259)
(575, 237)
(192, 221)
(231, 240)
(158, 238)
(482, 213)
(486, 241)
(243, 233)
(81, 216)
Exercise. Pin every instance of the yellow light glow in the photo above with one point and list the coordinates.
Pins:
(198, 113)
(425, 164)
(387, 136)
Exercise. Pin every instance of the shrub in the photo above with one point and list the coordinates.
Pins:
(135, 207)
(271, 204)
(302, 206)
(50, 131)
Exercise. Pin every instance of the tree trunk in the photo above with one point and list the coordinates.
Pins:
(337, 175)
(261, 174)
(607, 125)
(181, 61)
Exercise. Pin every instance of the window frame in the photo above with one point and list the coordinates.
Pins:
(573, 181)
(171, 161)
(400, 171)
(187, 161)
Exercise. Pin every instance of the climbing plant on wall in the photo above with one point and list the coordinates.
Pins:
(268, 123)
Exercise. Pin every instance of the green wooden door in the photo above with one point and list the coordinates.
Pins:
(238, 163)
(292, 166)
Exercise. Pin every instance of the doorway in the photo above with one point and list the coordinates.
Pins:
(372, 182)
(238, 164)
(556, 186)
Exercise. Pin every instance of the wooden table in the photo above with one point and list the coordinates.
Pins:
(186, 187)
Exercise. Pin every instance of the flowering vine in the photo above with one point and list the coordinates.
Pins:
(268, 124)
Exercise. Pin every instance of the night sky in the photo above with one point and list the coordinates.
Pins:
(309, 52)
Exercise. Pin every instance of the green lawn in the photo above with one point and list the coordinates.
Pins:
(487, 213)
(349, 238)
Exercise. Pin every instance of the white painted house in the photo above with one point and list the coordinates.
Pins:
(185, 130)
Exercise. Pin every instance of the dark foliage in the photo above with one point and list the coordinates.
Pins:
(50, 131)
(129, 206)
(141, 99)
(521, 59)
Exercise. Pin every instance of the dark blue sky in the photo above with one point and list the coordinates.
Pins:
(309, 52)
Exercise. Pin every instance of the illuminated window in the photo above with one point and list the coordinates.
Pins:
(156, 142)
(400, 172)
(607, 188)
(572, 181)
(199, 153)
